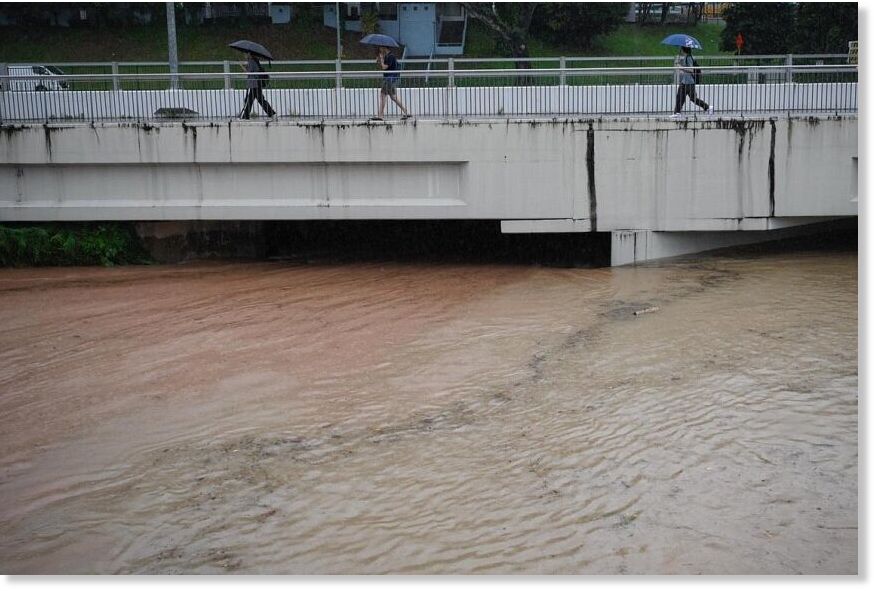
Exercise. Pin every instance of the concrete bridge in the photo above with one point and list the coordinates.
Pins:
(660, 187)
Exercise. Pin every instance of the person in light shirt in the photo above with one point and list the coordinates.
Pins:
(685, 66)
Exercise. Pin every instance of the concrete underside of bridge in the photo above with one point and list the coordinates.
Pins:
(661, 187)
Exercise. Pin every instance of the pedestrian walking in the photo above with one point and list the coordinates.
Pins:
(686, 79)
(386, 60)
(256, 80)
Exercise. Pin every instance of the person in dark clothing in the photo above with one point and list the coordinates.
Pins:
(386, 60)
(254, 88)
(523, 64)
(686, 83)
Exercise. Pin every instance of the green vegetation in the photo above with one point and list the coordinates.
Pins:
(301, 39)
(626, 40)
(57, 244)
(633, 40)
(304, 38)
(804, 27)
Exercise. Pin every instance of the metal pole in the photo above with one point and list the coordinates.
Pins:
(562, 76)
(227, 70)
(339, 42)
(115, 84)
(339, 65)
(789, 68)
(171, 45)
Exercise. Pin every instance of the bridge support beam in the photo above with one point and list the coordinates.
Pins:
(638, 246)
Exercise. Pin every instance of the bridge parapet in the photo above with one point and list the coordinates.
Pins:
(535, 176)
(542, 93)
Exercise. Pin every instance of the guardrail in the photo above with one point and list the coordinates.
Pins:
(437, 93)
(448, 63)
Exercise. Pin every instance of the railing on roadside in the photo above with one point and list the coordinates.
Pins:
(436, 93)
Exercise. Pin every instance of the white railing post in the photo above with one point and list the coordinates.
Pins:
(789, 68)
(450, 87)
(338, 86)
(226, 68)
(115, 84)
(563, 76)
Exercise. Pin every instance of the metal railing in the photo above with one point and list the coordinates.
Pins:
(229, 67)
(455, 93)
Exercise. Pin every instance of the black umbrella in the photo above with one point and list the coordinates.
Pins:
(381, 40)
(251, 47)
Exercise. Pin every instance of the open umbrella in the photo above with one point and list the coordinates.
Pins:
(251, 47)
(381, 40)
(681, 40)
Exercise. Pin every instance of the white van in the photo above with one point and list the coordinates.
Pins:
(44, 78)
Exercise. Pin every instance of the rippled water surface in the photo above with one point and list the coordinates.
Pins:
(431, 418)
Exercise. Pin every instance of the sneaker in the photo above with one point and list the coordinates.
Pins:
(677, 116)
(407, 116)
(710, 111)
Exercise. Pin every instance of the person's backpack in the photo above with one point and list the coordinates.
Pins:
(696, 72)
(262, 76)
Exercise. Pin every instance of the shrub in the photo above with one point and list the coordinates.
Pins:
(104, 243)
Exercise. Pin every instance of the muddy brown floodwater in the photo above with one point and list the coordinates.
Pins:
(431, 418)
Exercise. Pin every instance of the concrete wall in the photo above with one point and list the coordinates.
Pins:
(536, 176)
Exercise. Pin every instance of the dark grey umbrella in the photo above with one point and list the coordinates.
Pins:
(381, 40)
(251, 47)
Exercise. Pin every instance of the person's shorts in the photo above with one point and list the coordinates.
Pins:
(389, 86)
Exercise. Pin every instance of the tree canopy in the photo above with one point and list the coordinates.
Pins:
(822, 27)
(786, 27)
(578, 23)
(574, 24)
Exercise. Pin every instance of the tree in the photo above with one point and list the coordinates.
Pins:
(806, 27)
(696, 11)
(33, 13)
(766, 27)
(666, 7)
(577, 24)
(511, 21)
(643, 10)
(826, 27)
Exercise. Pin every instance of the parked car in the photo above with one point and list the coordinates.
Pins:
(41, 78)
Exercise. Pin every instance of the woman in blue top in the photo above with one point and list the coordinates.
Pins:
(686, 69)
(390, 78)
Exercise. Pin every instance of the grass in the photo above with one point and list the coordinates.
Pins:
(61, 244)
(298, 40)
(633, 40)
(302, 39)
(627, 40)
